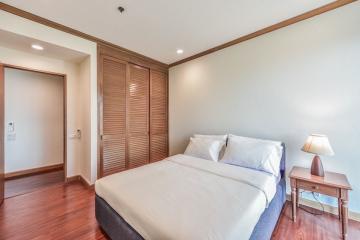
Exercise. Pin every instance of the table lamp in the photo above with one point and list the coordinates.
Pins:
(319, 145)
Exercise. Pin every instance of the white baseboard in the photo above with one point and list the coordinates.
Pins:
(327, 208)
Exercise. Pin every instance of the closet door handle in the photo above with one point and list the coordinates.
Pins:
(315, 187)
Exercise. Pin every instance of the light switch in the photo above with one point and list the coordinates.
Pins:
(76, 135)
(11, 127)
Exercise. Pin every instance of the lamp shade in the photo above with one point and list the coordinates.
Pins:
(318, 144)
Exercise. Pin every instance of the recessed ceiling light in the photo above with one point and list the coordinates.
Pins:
(179, 51)
(37, 47)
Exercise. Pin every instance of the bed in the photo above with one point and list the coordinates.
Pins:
(188, 198)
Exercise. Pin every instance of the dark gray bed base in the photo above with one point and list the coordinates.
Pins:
(118, 229)
(112, 223)
(268, 220)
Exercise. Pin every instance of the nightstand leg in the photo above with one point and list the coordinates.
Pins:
(339, 208)
(344, 211)
(297, 197)
(293, 200)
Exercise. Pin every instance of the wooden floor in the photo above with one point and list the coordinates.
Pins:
(308, 226)
(67, 212)
(58, 212)
(29, 184)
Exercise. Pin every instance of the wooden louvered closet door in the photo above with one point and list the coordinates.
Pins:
(138, 116)
(113, 124)
(133, 111)
(158, 116)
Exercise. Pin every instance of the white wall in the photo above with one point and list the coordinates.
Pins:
(34, 102)
(72, 71)
(85, 115)
(284, 85)
(21, 26)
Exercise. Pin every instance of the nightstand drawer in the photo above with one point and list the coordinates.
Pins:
(313, 187)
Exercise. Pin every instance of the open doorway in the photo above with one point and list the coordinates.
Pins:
(34, 129)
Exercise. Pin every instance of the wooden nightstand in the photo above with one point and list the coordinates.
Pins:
(332, 184)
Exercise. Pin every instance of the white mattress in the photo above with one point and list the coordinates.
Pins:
(184, 197)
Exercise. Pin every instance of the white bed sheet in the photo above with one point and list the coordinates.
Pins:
(184, 197)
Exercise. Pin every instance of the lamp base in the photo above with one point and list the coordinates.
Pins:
(317, 167)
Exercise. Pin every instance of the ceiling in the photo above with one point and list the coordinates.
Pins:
(22, 43)
(158, 28)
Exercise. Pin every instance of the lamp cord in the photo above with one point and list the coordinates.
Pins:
(317, 200)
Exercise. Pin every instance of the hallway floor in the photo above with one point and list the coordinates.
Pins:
(20, 186)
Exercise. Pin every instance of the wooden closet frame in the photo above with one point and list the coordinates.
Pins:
(105, 51)
(11, 66)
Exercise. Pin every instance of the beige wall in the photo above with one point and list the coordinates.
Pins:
(75, 154)
(284, 85)
(34, 103)
(85, 115)
(18, 25)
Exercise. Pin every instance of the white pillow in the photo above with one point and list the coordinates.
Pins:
(204, 148)
(263, 155)
(215, 137)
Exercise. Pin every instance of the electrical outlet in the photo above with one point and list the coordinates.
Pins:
(11, 137)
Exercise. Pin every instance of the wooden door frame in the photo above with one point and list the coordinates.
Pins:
(2, 131)
(64, 76)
